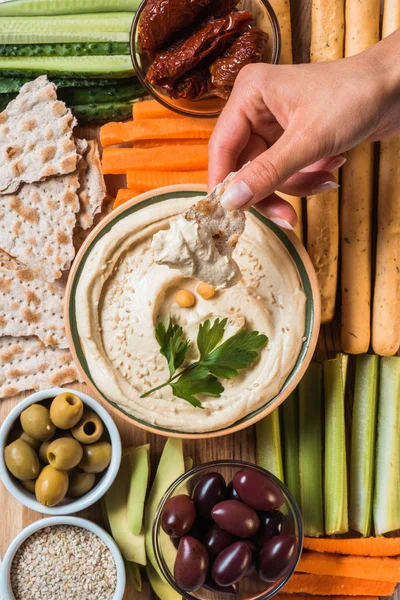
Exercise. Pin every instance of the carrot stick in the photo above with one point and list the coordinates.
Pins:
(329, 585)
(156, 129)
(371, 546)
(116, 161)
(152, 109)
(160, 143)
(150, 180)
(362, 32)
(123, 195)
(362, 567)
(386, 305)
(315, 597)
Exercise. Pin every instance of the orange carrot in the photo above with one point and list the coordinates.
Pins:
(152, 109)
(284, 596)
(149, 180)
(156, 129)
(116, 161)
(159, 143)
(328, 585)
(123, 195)
(362, 567)
(357, 546)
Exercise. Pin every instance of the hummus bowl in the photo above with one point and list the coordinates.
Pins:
(117, 295)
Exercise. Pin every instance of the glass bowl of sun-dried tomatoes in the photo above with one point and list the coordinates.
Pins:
(188, 53)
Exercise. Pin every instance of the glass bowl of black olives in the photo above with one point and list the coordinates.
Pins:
(227, 528)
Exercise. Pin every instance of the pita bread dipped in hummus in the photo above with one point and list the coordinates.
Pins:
(123, 295)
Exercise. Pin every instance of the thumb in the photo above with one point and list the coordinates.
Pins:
(266, 173)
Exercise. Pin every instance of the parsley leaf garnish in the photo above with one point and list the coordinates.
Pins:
(217, 360)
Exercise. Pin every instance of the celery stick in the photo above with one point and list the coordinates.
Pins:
(290, 414)
(336, 507)
(387, 467)
(268, 438)
(363, 443)
(21, 8)
(310, 450)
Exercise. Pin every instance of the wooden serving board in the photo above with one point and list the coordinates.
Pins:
(241, 445)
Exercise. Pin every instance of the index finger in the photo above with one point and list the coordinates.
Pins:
(229, 138)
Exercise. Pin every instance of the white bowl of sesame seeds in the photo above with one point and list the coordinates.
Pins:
(68, 505)
(62, 557)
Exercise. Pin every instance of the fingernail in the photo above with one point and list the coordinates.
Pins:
(237, 195)
(281, 223)
(336, 163)
(326, 186)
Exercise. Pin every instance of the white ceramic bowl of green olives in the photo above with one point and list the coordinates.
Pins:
(67, 452)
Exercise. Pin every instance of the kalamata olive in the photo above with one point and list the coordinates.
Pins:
(257, 490)
(197, 531)
(229, 590)
(216, 539)
(271, 523)
(276, 557)
(231, 493)
(236, 518)
(191, 564)
(232, 564)
(253, 549)
(178, 515)
(209, 490)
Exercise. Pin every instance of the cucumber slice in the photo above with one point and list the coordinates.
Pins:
(65, 49)
(21, 8)
(5, 99)
(102, 113)
(10, 85)
(56, 37)
(101, 94)
(86, 66)
(120, 21)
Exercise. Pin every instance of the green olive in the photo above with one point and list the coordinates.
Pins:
(51, 486)
(36, 422)
(29, 485)
(66, 410)
(96, 457)
(89, 429)
(21, 460)
(64, 453)
(35, 444)
(80, 484)
(43, 452)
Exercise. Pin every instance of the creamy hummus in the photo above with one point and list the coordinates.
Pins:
(123, 293)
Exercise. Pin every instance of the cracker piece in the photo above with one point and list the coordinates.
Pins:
(27, 364)
(92, 190)
(36, 138)
(80, 234)
(37, 224)
(226, 226)
(30, 305)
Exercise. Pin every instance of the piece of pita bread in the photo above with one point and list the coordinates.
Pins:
(37, 224)
(36, 138)
(226, 226)
(92, 189)
(30, 305)
(27, 364)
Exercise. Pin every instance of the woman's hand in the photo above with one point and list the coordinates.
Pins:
(293, 123)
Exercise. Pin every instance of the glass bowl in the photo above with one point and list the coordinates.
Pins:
(251, 587)
(264, 17)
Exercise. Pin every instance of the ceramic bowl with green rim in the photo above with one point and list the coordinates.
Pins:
(117, 295)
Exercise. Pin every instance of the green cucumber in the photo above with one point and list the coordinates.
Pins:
(79, 66)
(56, 37)
(65, 49)
(22, 8)
(102, 94)
(10, 85)
(102, 113)
(105, 22)
(5, 99)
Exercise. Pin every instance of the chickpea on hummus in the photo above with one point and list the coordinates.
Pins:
(123, 294)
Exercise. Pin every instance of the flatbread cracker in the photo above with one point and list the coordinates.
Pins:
(226, 226)
(37, 224)
(27, 364)
(30, 305)
(92, 190)
(36, 138)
